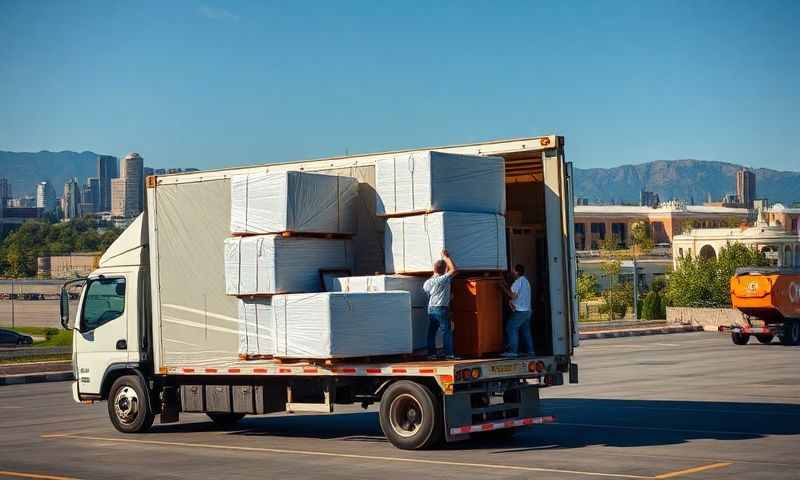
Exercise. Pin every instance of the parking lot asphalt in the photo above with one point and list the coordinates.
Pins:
(687, 405)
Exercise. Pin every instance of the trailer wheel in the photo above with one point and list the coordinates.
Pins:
(791, 332)
(225, 419)
(766, 339)
(411, 416)
(128, 405)
(740, 338)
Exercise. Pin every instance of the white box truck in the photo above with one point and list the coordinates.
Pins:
(155, 333)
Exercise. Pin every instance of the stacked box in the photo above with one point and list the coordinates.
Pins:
(340, 325)
(293, 202)
(475, 241)
(436, 181)
(270, 264)
(385, 283)
(256, 327)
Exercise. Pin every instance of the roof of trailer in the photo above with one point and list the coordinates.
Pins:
(369, 154)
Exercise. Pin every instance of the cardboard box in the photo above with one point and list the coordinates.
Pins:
(270, 264)
(293, 202)
(435, 181)
(476, 241)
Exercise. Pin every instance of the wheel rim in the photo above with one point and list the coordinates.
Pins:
(126, 405)
(405, 415)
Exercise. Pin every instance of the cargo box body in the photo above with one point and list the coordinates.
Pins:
(293, 202)
(433, 181)
(192, 322)
(270, 264)
(476, 241)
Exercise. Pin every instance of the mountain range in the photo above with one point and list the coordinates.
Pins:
(681, 179)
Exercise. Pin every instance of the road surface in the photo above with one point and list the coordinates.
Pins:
(690, 406)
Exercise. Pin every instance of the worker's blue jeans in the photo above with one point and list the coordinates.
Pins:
(439, 321)
(519, 322)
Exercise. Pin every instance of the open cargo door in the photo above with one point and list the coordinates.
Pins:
(560, 250)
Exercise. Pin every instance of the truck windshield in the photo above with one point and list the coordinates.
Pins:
(105, 301)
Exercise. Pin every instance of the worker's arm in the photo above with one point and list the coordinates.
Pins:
(451, 265)
(511, 293)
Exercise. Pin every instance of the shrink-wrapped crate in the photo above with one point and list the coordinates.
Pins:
(382, 283)
(434, 181)
(340, 325)
(475, 241)
(269, 264)
(293, 202)
(256, 327)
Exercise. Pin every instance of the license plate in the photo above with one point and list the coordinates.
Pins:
(496, 399)
(503, 369)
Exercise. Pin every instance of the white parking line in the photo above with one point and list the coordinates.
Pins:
(349, 455)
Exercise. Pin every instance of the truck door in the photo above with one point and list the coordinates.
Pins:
(102, 330)
(560, 248)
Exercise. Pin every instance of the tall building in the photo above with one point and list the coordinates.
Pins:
(127, 191)
(745, 187)
(5, 192)
(648, 199)
(90, 202)
(45, 197)
(72, 199)
(106, 170)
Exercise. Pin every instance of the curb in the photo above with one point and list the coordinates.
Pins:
(641, 331)
(35, 378)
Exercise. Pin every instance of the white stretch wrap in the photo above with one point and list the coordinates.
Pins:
(435, 181)
(293, 202)
(340, 325)
(475, 241)
(269, 264)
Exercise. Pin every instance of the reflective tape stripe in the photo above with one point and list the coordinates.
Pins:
(485, 427)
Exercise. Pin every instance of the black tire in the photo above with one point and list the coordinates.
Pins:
(766, 339)
(225, 419)
(128, 405)
(791, 332)
(740, 338)
(411, 416)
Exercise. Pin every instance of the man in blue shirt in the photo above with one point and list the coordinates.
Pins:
(438, 289)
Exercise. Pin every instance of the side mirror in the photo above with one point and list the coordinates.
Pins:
(65, 308)
(64, 302)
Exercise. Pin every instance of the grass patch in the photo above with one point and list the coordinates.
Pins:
(54, 337)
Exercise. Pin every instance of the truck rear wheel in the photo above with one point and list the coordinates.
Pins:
(128, 405)
(740, 338)
(411, 416)
(791, 332)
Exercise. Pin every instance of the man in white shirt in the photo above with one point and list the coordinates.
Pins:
(521, 312)
(438, 289)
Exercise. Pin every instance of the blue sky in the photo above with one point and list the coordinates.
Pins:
(212, 84)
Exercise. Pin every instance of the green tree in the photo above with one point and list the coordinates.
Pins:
(610, 243)
(587, 286)
(701, 282)
(640, 236)
(611, 297)
(651, 306)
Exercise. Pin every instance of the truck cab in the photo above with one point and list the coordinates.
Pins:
(110, 323)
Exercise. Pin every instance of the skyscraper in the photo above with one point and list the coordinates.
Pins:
(5, 192)
(72, 199)
(127, 191)
(106, 170)
(90, 196)
(45, 196)
(745, 187)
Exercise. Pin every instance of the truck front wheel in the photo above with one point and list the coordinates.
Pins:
(128, 405)
(411, 416)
